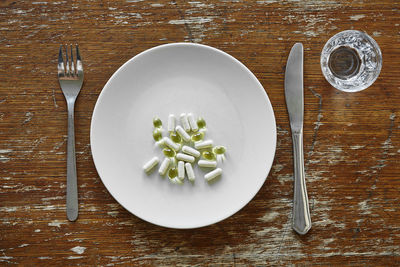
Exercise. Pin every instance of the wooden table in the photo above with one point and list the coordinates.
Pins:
(351, 140)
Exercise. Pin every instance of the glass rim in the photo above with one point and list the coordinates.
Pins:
(325, 59)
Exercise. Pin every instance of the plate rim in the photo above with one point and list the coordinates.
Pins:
(245, 68)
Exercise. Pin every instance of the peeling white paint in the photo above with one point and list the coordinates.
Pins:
(28, 188)
(46, 199)
(191, 20)
(8, 209)
(4, 158)
(266, 231)
(78, 250)
(376, 34)
(311, 33)
(74, 257)
(357, 17)
(269, 216)
(268, 1)
(113, 213)
(277, 167)
(327, 241)
(29, 116)
(284, 178)
(200, 4)
(56, 223)
(364, 207)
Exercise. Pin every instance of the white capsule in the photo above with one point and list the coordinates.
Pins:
(185, 122)
(164, 166)
(182, 133)
(171, 144)
(192, 122)
(203, 130)
(213, 174)
(176, 180)
(159, 144)
(190, 172)
(203, 144)
(150, 164)
(220, 158)
(171, 122)
(191, 151)
(207, 163)
(181, 170)
(184, 157)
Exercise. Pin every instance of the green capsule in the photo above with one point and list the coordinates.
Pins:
(197, 136)
(176, 138)
(157, 134)
(172, 173)
(201, 123)
(168, 152)
(219, 150)
(157, 122)
(208, 155)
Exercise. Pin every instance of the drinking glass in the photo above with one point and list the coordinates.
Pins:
(351, 61)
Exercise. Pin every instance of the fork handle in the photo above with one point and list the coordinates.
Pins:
(301, 211)
(72, 186)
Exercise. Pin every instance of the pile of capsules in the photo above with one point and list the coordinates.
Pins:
(185, 146)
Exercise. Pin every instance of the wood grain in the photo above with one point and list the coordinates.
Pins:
(351, 141)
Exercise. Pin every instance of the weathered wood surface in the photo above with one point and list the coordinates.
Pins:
(351, 141)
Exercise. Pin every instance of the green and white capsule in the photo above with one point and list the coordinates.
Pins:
(181, 170)
(190, 151)
(208, 155)
(150, 164)
(201, 123)
(203, 144)
(171, 123)
(182, 133)
(159, 143)
(185, 122)
(207, 163)
(196, 137)
(184, 157)
(190, 172)
(213, 174)
(164, 166)
(157, 123)
(192, 122)
(171, 144)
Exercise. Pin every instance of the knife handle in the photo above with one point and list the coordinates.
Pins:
(301, 211)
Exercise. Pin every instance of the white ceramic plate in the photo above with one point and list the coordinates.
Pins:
(176, 78)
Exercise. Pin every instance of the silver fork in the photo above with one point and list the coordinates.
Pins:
(70, 76)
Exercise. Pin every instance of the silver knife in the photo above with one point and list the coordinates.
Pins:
(294, 101)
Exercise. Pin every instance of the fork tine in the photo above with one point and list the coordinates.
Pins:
(61, 70)
(79, 66)
(66, 61)
(72, 62)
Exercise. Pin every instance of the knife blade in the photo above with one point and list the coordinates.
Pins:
(294, 96)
